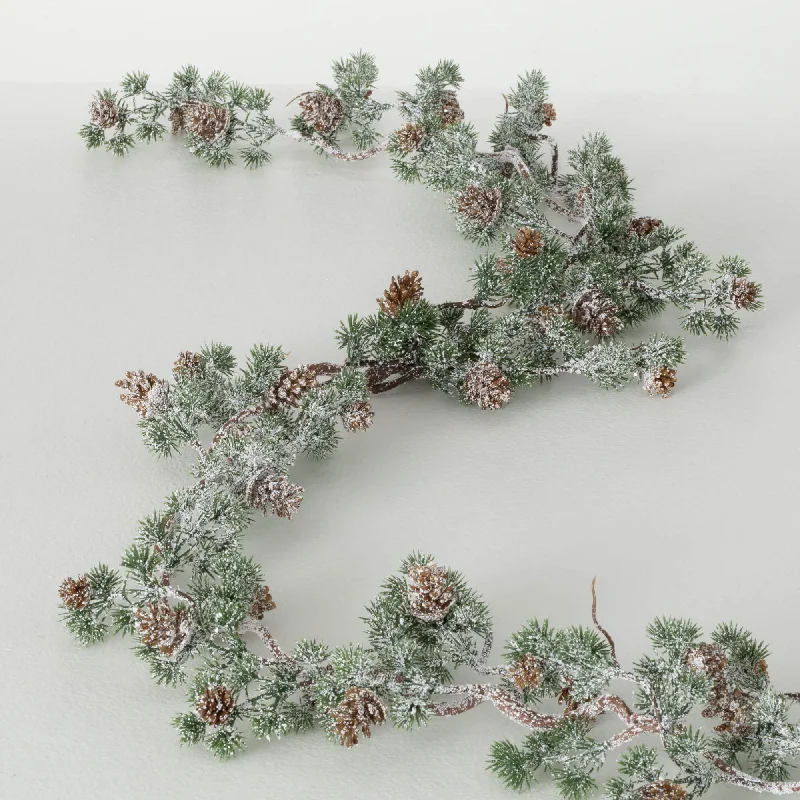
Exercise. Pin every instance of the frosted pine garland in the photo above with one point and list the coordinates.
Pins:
(548, 299)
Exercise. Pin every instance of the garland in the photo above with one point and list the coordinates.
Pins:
(553, 299)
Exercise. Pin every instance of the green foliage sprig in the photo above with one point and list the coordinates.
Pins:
(549, 300)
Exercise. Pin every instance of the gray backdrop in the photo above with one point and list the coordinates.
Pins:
(685, 506)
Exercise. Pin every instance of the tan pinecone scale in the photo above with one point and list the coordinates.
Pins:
(402, 289)
(104, 113)
(450, 110)
(287, 391)
(528, 242)
(358, 417)
(525, 672)
(75, 593)
(660, 381)
(206, 120)
(486, 386)
(595, 313)
(215, 705)
(409, 137)
(159, 625)
(262, 603)
(273, 494)
(323, 112)
(480, 204)
(663, 790)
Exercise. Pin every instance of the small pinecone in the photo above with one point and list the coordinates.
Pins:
(595, 313)
(357, 417)
(525, 672)
(359, 709)
(481, 205)
(707, 659)
(75, 592)
(663, 790)
(641, 226)
(104, 113)
(207, 121)
(290, 387)
(744, 293)
(271, 493)
(528, 242)
(215, 705)
(660, 381)
(548, 114)
(409, 137)
(138, 386)
(430, 595)
(187, 364)
(162, 626)
(262, 603)
(402, 289)
(177, 116)
(451, 112)
(487, 386)
(323, 112)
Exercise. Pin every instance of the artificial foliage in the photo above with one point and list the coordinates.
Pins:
(567, 275)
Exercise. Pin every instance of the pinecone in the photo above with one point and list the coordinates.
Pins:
(75, 592)
(662, 790)
(744, 293)
(206, 120)
(595, 313)
(409, 137)
(528, 242)
(525, 672)
(104, 113)
(323, 112)
(215, 705)
(481, 205)
(187, 364)
(707, 659)
(139, 386)
(359, 709)
(430, 595)
(660, 381)
(487, 386)
(402, 289)
(641, 226)
(290, 387)
(177, 116)
(262, 603)
(450, 111)
(160, 625)
(357, 417)
(548, 114)
(271, 493)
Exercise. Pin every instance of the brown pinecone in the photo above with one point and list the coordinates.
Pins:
(160, 625)
(290, 387)
(528, 242)
(75, 592)
(359, 709)
(451, 112)
(357, 417)
(595, 313)
(206, 120)
(177, 116)
(187, 363)
(481, 205)
(323, 112)
(402, 289)
(272, 493)
(104, 113)
(138, 386)
(215, 705)
(262, 603)
(744, 293)
(641, 226)
(409, 137)
(707, 659)
(487, 386)
(663, 790)
(525, 672)
(548, 114)
(660, 381)
(430, 595)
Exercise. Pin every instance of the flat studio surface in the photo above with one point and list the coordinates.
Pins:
(683, 506)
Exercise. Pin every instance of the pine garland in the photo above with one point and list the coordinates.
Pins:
(549, 301)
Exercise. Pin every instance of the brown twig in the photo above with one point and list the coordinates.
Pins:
(602, 630)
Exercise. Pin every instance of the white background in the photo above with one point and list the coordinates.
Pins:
(685, 506)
